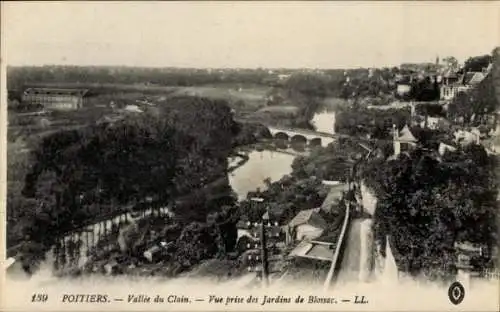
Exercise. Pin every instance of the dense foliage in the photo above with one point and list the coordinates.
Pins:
(426, 204)
(79, 176)
(368, 83)
(284, 198)
(303, 188)
(425, 90)
(360, 121)
(477, 63)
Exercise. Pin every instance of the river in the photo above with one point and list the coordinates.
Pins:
(250, 176)
(260, 165)
(271, 164)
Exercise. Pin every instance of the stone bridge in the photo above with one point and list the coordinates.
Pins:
(306, 137)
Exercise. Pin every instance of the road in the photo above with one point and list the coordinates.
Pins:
(349, 267)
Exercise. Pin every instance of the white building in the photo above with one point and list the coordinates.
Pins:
(448, 92)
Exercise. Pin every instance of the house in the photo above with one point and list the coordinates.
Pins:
(316, 250)
(283, 76)
(403, 85)
(467, 253)
(55, 99)
(449, 77)
(132, 109)
(473, 78)
(306, 224)
(454, 84)
(245, 243)
(249, 234)
(403, 140)
(448, 92)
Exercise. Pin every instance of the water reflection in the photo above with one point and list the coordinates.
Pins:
(260, 166)
(324, 122)
(263, 164)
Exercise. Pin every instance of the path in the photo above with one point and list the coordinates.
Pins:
(349, 265)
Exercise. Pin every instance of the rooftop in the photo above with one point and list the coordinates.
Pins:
(313, 250)
(309, 216)
(406, 135)
(80, 92)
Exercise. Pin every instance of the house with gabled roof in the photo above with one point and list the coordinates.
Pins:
(404, 140)
(306, 224)
(473, 78)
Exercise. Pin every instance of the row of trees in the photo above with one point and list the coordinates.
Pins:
(20, 76)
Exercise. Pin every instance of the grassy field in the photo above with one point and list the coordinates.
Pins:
(238, 97)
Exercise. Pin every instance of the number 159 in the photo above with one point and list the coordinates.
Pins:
(39, 298)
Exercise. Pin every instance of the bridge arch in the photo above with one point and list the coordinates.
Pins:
(316, 142)
(299, 139)
(282, 136)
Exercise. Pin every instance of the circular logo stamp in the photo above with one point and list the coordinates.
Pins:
(456, 293)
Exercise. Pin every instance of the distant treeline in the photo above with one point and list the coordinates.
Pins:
(20, 76)
(361, 82)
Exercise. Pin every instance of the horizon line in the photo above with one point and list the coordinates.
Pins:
(216, 68)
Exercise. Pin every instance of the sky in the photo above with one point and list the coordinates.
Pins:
(246, 34)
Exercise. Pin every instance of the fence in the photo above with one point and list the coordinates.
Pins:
(491, 274)
(340, 244)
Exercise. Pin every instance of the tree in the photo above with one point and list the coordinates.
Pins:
(477, 63)
(451, 62)
(424, 214)
(307, 91)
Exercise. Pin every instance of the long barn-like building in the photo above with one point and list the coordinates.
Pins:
(57, 99)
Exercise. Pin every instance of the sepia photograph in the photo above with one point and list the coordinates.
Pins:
(250, 155)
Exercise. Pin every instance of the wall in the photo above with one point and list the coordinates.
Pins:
(369, 201)
(366, 250)
(384, 268)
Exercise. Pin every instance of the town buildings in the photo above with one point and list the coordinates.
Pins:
(454, 83)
